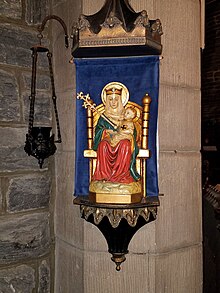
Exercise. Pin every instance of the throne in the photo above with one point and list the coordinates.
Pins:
(141, 122)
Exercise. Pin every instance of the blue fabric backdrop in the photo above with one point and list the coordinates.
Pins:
(140, 75)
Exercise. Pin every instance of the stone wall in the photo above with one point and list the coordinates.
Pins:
(26, 211)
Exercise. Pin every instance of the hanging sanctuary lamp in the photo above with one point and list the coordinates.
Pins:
(40, 143)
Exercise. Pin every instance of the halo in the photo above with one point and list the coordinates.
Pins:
(118, 85)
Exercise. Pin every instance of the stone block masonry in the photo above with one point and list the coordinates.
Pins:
(10, 110)
(28, 192)
(26, 213)
(18, 279)
(24, 237)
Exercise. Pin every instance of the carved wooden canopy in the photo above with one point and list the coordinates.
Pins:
(116, 30)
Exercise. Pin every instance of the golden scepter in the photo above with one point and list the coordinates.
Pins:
(91, 107)
(88, 103)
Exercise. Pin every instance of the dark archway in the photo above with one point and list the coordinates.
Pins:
(211, 146)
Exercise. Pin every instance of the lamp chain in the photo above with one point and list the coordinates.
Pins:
(33, 90)
(54, 97)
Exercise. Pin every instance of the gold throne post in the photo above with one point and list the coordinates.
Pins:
(141, 122)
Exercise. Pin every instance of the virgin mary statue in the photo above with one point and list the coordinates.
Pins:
(116, 164)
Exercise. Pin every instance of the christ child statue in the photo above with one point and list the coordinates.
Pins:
(125, 129)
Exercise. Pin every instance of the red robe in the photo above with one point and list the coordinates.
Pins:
(113, 163)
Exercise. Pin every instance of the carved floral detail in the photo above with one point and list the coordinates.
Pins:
(157, 27)
(116, 215)
(142, 20)
(83, 23)
(111, 21)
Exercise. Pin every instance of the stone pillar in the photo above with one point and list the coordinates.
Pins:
(69, 227)
(165, 255)
(178, 230)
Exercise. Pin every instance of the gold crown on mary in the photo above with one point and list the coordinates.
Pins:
(113, 90)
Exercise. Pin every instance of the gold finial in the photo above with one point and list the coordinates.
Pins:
(146, 99)
(118, 259)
